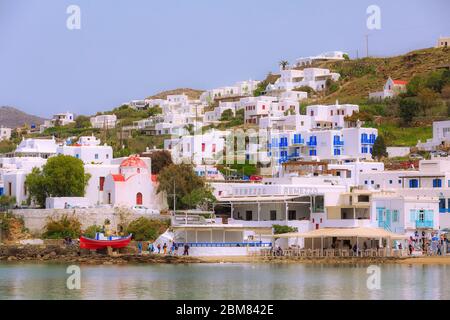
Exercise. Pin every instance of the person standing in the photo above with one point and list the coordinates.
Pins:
(150, 247)
(165, 248)
(159, 247)
(139, 247)
(186, 250)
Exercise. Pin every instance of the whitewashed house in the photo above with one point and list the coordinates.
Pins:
(88, 150)
(326, 56)
(291, 79)
(104, 121)
(59, 119)
(441, 136)
(239, 89)
(5, 133)
(197, 149)
(32, 147)
(391, 89)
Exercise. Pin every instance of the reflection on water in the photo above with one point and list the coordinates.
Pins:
(224, 281)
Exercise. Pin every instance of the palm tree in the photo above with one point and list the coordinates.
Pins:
(283, 64)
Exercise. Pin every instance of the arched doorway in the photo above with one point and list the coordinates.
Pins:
(139, 198)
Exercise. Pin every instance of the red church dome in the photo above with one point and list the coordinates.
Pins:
(133, 161)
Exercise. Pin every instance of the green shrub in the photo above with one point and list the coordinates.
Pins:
(10, 223)
(63, 227)
(278, 229)
(144, 229)
(92, 230)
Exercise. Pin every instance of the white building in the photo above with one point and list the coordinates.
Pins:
(391, 89)
(104, 121)
(59, 119)
(216, 114)
(331, 144)
(326, 56)
(88, 150)
(239, 89)
(197, 149)
(314, 78)
(32, 147)
(443, 42)
(5, 133)
(13, 172)
(132, 185)
(441, 136)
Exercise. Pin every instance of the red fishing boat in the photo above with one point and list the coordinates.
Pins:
(101, 242)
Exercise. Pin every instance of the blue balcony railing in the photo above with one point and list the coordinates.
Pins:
(311, 143)
(338, 143)
(298, 141)
(444, 210)
(424, 224)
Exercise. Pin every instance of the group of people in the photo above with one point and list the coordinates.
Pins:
(164, 249)
(428, 243)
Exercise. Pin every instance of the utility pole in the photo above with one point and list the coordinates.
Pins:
(174, 198)
(367, 45)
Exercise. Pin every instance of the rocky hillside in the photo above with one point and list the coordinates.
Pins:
(12, 118)
(362, 76)
(191, 93)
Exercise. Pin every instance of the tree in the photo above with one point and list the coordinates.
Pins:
(144, 229)
(408, 109)
(428, 99)
(181, 179)
(202, 198)
(345, 56)
(59, 228)
(227, 115)
(153, 111)
(61, 176)
(82, 122)
(331, 85)
(379, 148)
(189, 128)
(6, 202)
(279, 229)
(283, 64)
(160, 160)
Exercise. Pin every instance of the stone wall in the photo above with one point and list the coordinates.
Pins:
(35, 219)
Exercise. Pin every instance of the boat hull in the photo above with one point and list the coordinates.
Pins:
(88, 243)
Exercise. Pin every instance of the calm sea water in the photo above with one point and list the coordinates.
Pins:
(224, 281)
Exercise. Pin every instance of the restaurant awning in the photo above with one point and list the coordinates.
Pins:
(251, 199)
(361, 232)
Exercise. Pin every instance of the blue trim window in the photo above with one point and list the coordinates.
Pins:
(413, 183)
(365, 181)
(298, 138)
(283, 142)
(312, 141)
(337, 152)
(364, 149)
(313, 152)
(437, 183)
(390, 181)
(395, 215)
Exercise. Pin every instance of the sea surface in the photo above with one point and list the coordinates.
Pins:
(225, 281)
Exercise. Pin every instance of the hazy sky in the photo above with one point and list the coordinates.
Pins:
(131, 49)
